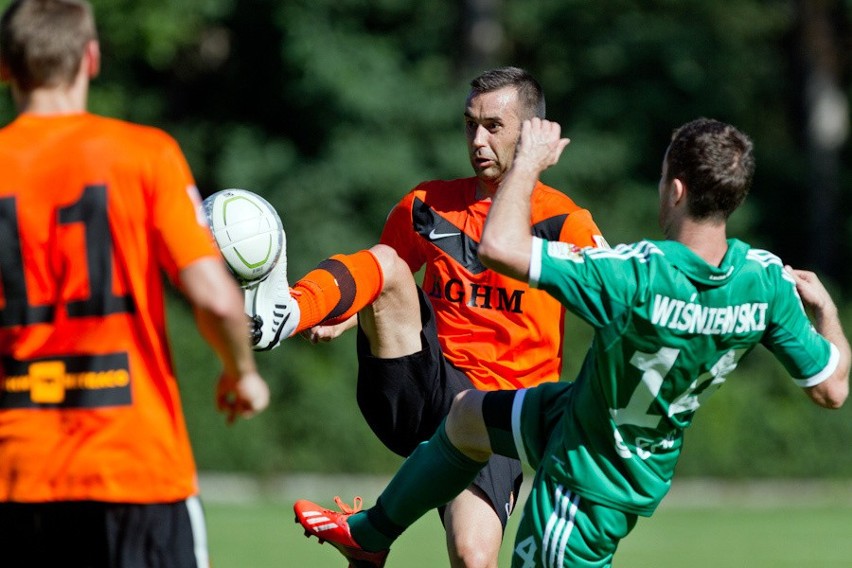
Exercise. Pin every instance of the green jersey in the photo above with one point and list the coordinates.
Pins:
(669, 328)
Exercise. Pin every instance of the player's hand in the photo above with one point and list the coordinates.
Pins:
(325, 333)
(241, 397)
(541, 144)
(811, 290)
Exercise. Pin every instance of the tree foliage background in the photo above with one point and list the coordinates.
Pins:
(332, 109)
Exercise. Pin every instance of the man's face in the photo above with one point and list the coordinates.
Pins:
(492, 128)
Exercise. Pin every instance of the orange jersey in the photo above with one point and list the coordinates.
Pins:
(92, 211)
(500, 332)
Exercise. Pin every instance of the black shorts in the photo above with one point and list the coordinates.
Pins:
(93, 534)
(404, 400)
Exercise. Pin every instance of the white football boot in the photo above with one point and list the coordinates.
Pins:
(273, 312)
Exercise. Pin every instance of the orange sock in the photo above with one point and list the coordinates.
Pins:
(338, 288)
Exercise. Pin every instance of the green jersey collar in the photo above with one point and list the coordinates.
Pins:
(697, 269)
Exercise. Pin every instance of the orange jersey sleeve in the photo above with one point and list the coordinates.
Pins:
(397, 233)
(93, 210)
(500, 332)
(175, 203)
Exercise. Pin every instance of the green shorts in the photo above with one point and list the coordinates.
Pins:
(558, 528)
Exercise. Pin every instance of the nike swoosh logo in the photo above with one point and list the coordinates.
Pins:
(446, 236)
(433, 236)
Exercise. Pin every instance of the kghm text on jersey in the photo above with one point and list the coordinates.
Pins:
(478, 295)
(691, 317)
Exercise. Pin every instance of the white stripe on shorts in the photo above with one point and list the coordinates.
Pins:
(559, 527)
(199, 531)
(517, 406)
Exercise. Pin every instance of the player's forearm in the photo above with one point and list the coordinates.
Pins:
(505, 244)
(228, 335)
(832, 392)
(218, 308)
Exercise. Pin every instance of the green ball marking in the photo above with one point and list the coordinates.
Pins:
(245, 261)
(260, 262)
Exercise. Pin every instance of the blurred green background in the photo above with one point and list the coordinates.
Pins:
(333, 109)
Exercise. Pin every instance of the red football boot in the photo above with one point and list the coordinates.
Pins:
(332, 526)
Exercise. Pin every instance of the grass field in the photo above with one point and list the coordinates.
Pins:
(702, 526)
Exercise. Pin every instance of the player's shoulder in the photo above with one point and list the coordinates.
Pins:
(628, 264)
(439, 191)
(768, 268)
(444, 186)
(763, 258)
(640, 251)
(546, 198)
(133, 133)
(758, 261)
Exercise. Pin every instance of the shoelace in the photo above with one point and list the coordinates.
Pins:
(356, 505)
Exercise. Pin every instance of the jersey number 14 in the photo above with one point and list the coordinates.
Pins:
(639, 410)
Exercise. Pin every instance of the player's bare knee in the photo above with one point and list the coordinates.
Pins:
(469, 552)
(460, 412)
(392, 322)
(394, 269)
(465, 426)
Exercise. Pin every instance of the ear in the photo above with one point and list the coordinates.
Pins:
(678, 192)
(92, 57)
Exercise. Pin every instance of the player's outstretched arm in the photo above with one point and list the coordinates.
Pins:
(326, 333)
(832, 392)
(506, 241)
(218, 306)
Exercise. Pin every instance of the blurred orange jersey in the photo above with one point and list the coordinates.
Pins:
(499, 331)
(92, 212)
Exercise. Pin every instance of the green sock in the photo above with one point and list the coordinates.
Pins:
(433, 475)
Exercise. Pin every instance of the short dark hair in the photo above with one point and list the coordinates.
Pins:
(530, 93)
(42, 41)
(716, 163)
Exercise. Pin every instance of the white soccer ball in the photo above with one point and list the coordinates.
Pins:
(247, 230)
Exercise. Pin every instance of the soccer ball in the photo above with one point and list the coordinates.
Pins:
(248, 232)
